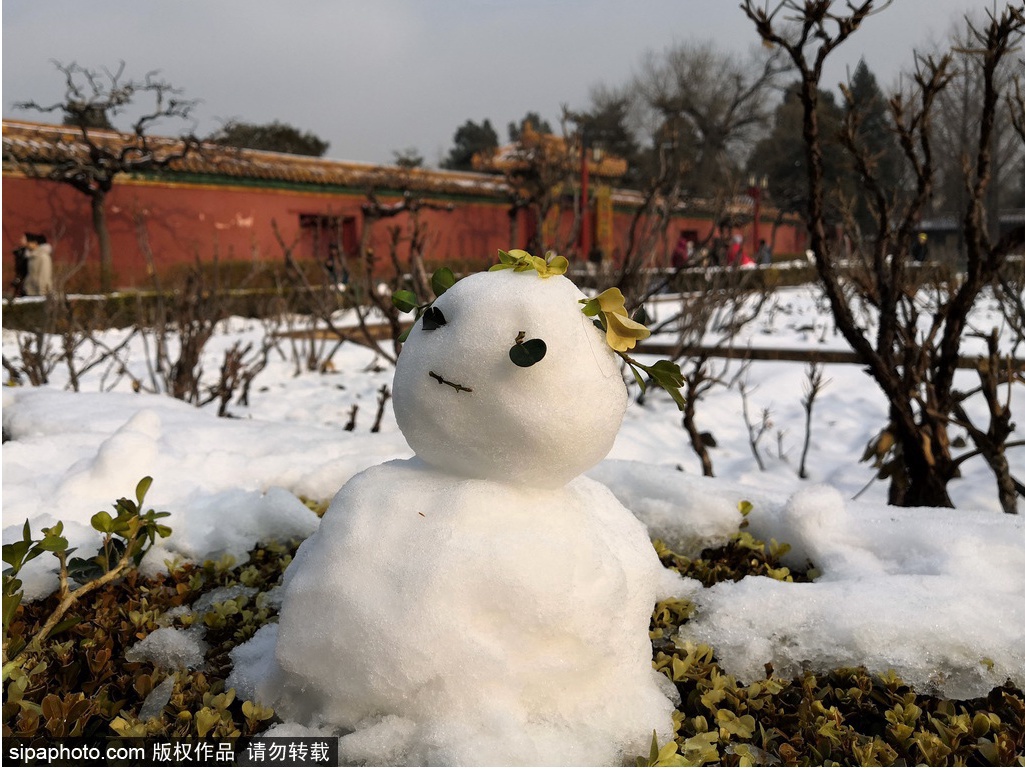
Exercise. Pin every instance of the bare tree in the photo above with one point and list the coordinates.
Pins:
(707, 108)
(710, 318)
(957, 127)
(409, 273)
(914, 351)
(812, 388)
(93, 157)
(704, 109)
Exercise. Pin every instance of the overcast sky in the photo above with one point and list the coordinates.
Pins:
(376, 76)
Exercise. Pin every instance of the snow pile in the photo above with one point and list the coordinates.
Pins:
(465, 606)
(672, 507)
(934, 595)
(920, 592)
(227, 483)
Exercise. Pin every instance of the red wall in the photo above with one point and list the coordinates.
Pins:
(180, 222)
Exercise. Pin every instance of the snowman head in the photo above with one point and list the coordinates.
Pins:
(470, 404)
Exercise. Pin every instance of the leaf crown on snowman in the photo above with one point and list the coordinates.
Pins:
(608, 309)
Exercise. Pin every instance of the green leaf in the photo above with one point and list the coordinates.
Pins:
(53, 544)
(641, 316)
(143, 488)
(102, 522)
(126, 508)
(405, 301)
(526, 354)
(14, 553)
(667, 373)
(82, 571)
(506, 258)
(637, 377)
(65, 624)
(442, 280)
(591, 307)
(11, 603)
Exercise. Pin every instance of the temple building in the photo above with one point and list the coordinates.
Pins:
(246, 206)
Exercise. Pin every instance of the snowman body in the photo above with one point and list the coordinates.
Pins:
(481, 603)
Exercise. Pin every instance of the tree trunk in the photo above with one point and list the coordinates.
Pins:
(926, 487)
(98, 203)
(1006, 490)
(697, 442)
(926, 467)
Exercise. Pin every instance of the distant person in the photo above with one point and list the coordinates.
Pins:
(764, 254)
(594, 259)
(920, 248)
(39, 277)
(20, 269)
(718, 252)
(681, 253)
(331, 263)
(735, 256)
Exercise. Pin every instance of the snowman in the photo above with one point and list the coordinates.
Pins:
(483, 603)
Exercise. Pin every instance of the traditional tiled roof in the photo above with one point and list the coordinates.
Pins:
(555, 149)
(42, 143)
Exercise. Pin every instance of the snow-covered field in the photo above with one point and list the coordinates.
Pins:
(935, 595)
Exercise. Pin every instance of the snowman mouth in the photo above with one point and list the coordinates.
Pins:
(441, 380)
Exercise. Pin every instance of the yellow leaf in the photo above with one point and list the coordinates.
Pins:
(611, 300)
(519, 260)
(622, 333)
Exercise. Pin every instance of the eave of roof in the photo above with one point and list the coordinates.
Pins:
(42, 143)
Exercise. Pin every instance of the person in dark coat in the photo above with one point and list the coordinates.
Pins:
(920, 248)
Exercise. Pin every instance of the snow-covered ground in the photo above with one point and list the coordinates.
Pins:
(935, 595)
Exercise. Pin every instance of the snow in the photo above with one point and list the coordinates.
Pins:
(470, 608)
(934, 595)
(502, 430)
(170, 649)
(479, 602)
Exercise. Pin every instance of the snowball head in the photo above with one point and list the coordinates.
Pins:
(450, 621)
(465, 407)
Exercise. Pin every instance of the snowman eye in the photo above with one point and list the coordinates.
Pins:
(433, 318)
(526, 353)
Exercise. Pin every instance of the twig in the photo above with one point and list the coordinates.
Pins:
(453, 385)
(382, 398)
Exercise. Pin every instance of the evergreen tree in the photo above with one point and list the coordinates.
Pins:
(781, 156)
(876, 132)
(271, 137)
(84, 115)
(409, 157)
(536, 122)
(470, 138)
